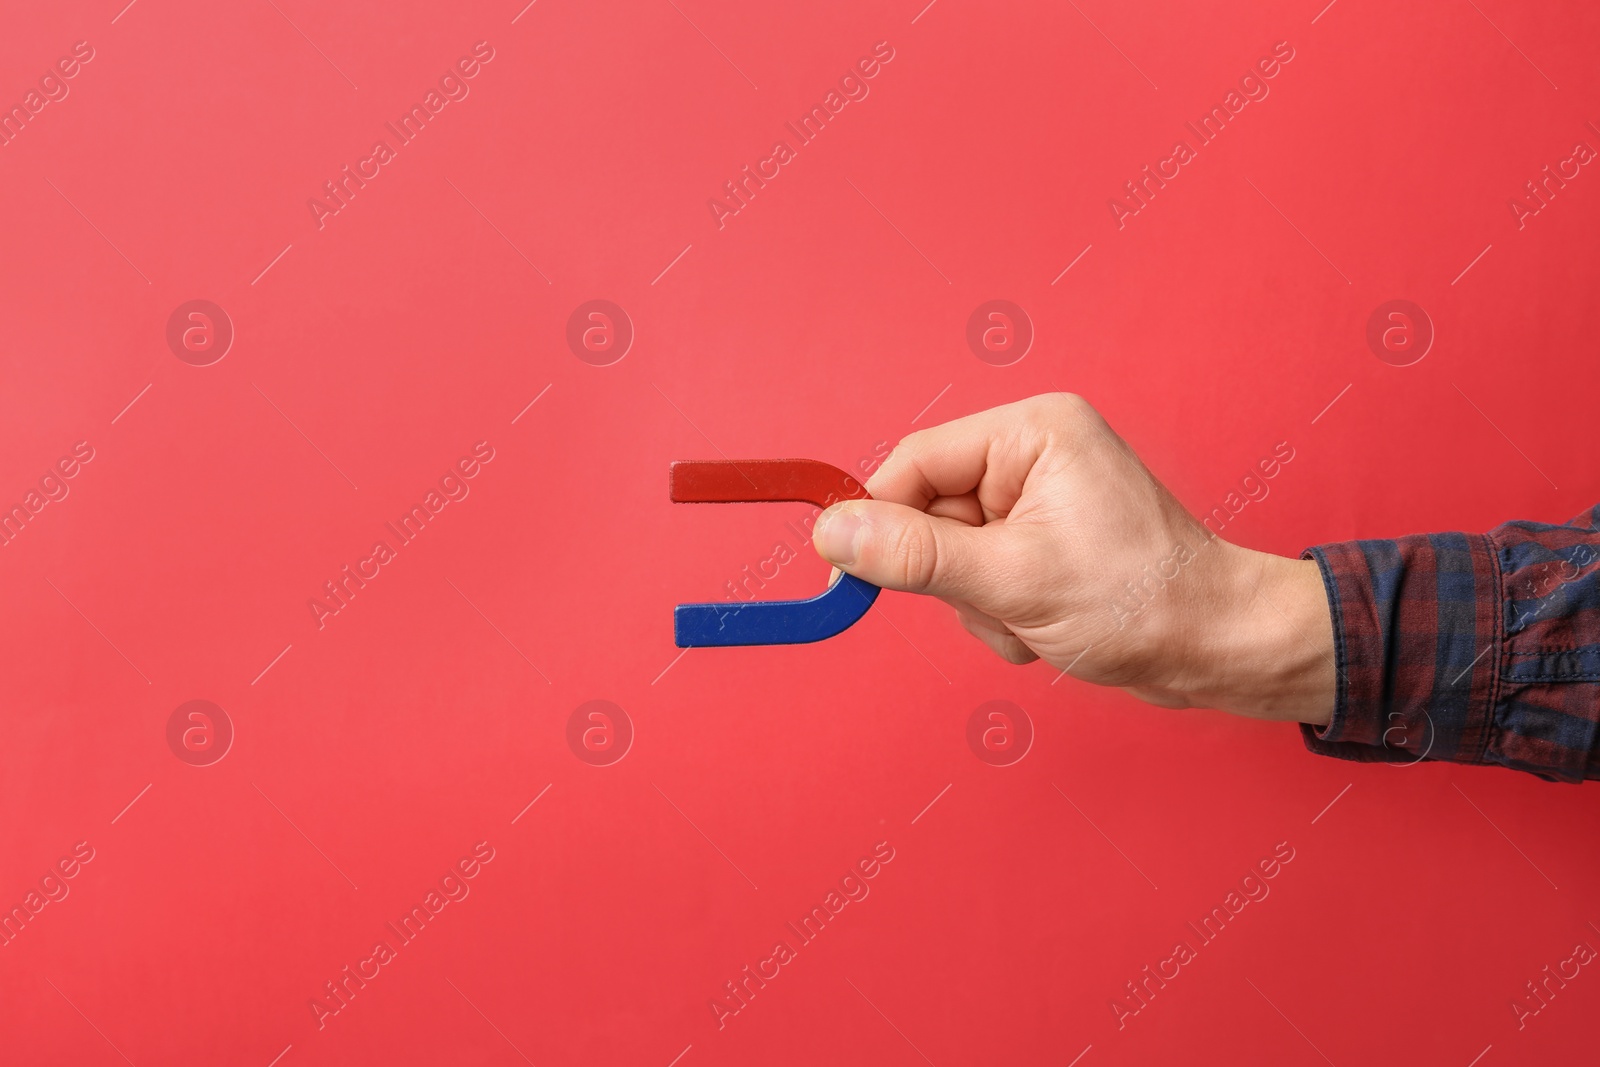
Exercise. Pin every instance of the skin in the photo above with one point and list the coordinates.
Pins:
(1032, 519)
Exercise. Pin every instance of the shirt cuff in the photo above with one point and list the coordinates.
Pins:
(1416, 634)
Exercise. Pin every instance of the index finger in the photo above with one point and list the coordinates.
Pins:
(988, 454)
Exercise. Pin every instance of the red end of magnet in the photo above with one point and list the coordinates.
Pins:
(748, 481)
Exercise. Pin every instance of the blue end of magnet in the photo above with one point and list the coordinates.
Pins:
(774, 622)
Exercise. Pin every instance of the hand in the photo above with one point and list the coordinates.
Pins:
(1052, 541)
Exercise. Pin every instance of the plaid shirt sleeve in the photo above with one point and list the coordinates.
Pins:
(1474, 648)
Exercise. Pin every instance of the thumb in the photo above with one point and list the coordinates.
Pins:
(898, 547)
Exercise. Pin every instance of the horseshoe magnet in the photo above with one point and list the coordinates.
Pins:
(768, 622)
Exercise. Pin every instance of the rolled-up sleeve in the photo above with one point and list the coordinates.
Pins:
(1472, 648)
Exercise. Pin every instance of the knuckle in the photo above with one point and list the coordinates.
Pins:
(916, 551)
(909, 445)
(889, 469)
(1074, 422)
(1065, 405)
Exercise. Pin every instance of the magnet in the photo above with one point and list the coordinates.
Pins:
(768, 622)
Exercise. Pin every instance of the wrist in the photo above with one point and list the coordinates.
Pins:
(1270, 645)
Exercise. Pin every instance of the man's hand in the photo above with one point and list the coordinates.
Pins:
(1044, 531)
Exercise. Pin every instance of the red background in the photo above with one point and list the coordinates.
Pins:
(828, 315)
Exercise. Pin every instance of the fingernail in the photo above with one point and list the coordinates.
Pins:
(837, 533)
